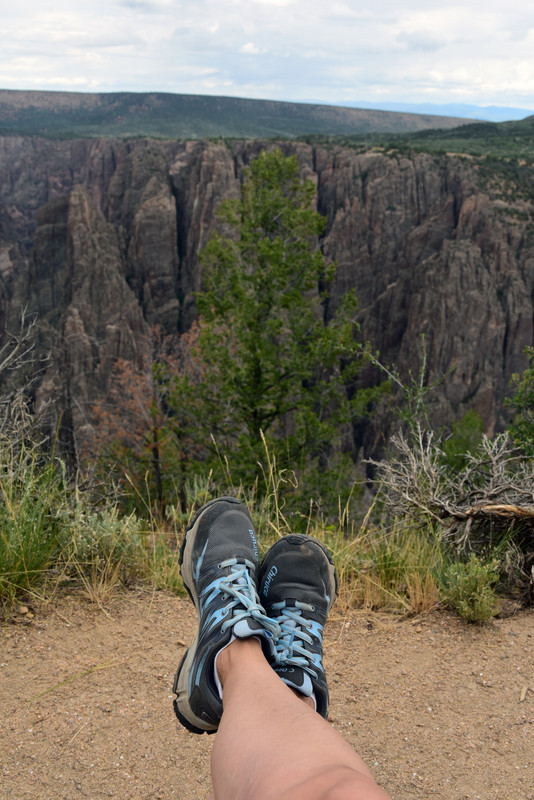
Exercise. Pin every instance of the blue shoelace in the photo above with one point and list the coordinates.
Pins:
(238, 585)
(290, 646)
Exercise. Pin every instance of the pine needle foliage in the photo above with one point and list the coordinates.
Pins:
(522, 426)
(272, 361)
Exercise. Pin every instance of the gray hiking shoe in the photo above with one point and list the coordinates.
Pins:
(298, 586)
(219, 562)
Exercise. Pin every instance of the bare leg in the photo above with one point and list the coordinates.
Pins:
(272, 746)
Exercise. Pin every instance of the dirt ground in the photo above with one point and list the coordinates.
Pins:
(437, 709)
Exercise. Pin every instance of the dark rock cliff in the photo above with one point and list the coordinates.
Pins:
(100, 240)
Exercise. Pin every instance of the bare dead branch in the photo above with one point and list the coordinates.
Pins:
(489, 503)
(16, 349)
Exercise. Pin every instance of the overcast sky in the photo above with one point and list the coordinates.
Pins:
(338, 51)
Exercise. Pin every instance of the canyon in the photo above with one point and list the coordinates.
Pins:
(99, 242)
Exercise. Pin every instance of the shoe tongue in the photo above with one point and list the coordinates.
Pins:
(296, 678)
(247, 627)
(244, 628)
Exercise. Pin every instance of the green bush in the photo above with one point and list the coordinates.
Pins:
(522, 427)
(33, 518)
(465, 438)
(468, 588)
(105, 539)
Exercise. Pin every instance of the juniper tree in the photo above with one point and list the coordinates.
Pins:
(522, 403)
(272, 363)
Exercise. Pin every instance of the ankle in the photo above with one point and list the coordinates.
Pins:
(310, 701)
(236, 652)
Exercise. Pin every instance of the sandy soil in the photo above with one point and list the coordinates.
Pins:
(437, 709)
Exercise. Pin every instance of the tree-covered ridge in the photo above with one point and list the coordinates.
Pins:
(180, 116)
(484, 140)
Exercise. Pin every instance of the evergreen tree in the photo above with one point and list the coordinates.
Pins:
(522, 427)
(271, 375)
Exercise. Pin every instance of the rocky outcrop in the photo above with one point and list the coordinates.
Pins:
(431, 253)
(100, 239)
(88, 315)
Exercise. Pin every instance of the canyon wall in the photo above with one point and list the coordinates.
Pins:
(99, 239)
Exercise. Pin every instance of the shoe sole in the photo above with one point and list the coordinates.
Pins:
(182, 707)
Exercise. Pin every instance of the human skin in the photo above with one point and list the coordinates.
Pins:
(271, 743)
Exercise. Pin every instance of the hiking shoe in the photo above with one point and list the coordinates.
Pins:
(298, 586)
(219, 563)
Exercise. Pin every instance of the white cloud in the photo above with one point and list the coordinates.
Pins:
(279, 3)
(344, 10)
(421, 39)
(479, 51)
(250, 49)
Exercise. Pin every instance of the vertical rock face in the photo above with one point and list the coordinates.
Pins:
(201, 178)
(89, 317)
(429, 253)
(100, 240)
(140, 205)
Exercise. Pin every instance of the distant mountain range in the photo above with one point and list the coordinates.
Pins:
(179, 116)
(463, 110)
